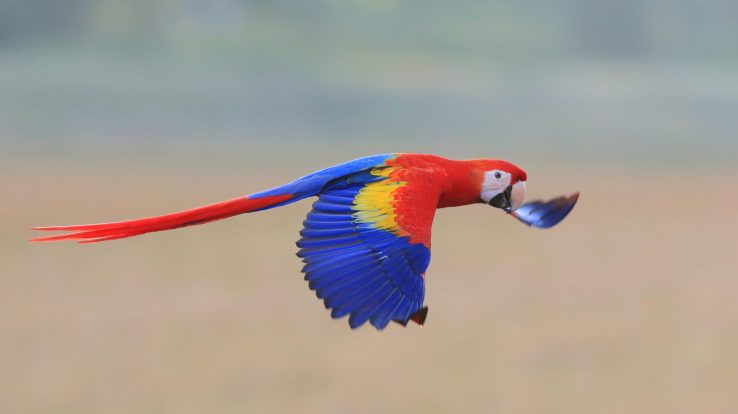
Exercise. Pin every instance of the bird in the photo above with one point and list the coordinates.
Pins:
(366, 243)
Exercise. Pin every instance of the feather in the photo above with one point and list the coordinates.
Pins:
(91, 233)
(546, 214)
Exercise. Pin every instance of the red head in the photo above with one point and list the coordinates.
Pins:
(503, 185)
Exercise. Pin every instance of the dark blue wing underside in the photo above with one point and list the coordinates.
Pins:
(357, 270)
(546, 214)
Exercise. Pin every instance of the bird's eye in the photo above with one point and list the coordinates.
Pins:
(498, 175)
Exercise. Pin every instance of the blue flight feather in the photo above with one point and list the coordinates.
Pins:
(357, 269)
(382, 317)
(546, 214)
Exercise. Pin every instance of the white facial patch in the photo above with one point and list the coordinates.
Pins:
(494, 183)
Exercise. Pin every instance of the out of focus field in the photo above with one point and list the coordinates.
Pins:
(628, 306)
(113, 110)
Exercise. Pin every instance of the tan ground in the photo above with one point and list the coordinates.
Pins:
(630, 306)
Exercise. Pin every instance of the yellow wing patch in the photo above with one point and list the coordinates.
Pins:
(374, 203)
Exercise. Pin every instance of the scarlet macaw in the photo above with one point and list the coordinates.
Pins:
(366, 243)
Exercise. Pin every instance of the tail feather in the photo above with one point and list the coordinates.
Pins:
(92, 233)
(299, 189)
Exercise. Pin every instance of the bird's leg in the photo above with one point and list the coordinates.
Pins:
(418, 317)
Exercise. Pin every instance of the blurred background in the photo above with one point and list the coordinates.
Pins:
(114, 109)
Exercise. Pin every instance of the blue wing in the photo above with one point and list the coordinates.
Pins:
(356, 269)
(546, 214)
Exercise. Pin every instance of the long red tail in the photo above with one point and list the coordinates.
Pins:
(91, 233)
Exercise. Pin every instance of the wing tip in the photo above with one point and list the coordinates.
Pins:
(546, 214)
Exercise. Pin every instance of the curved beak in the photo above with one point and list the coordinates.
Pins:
(510, 199)
(503, 200)
(518, 195)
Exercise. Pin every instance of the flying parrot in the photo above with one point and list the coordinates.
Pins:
(366, 242)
